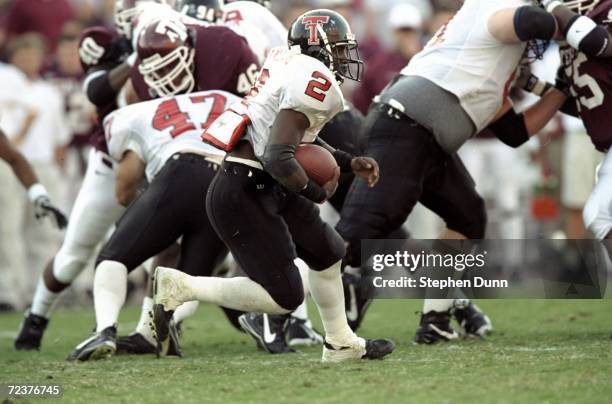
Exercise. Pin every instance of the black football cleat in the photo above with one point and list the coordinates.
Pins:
(165, 332)
(356, 305)
(101, 345)
(31, 332)
(268, 331)
(301, 333)
(435, 327)
(358, 349)
(473, 321)
(135, 344)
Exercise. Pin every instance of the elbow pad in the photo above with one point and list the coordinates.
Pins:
(98, 88)
(279, 161)
(511, 129)
(584, 34)
(534, 23)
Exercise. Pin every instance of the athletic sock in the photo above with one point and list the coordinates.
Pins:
(301, 312)
(110, 287)
(44, 300)
(326, 290)
(185, 310)
(144, 324)
(239, 293)
(437, 305)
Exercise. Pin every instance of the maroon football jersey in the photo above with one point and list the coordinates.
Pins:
(591, 81)
(100, 50)
(223, 61)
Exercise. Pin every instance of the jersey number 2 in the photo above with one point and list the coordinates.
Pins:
(168, 114)
(318, 87)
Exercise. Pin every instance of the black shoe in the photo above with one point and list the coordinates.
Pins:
(31, 332)
(435, 327)
(6, 307)
(301, 332)
(473, 321)
(378, 348)
(134, 344)
(165, 332)
(356, 305)
(268, 331)
(101, 345)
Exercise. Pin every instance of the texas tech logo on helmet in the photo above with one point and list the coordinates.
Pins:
(311, 22)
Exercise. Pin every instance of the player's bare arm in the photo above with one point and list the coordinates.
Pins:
(279, 157)
(130, 172)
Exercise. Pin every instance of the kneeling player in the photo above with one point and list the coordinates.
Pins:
(162, 139)
(261, 202)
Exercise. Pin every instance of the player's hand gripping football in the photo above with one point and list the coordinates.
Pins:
(366, 168)
(43, 208)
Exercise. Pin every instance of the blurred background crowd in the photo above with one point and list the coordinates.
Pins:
(535, 191)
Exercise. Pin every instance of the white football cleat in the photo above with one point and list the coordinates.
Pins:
(170, 288)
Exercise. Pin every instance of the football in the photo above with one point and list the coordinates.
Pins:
(318, 163)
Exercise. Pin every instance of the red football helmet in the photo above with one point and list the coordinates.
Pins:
(166, 57)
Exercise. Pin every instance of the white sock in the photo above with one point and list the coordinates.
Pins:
(438, 305)
(143, 326)
(239, 293)
(110, 287)
(326, 290)
(185, 310)
(301, 312)
(44, 300)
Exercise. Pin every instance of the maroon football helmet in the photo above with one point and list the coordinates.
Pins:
(96, 46)
(126, 12)
(166, 57)
(580, 6)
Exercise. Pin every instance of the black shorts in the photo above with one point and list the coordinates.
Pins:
(171, 207)
(413, 168)
(266, 227)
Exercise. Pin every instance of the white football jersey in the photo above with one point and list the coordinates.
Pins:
(290, 80)
(252, 21)
(466, 60)
(157, 129)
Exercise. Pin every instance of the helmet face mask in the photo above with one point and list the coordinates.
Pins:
(326, 36)
(125, 11)
(581, 7)
(171, 74)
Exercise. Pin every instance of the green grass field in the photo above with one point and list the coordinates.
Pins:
(542, 351)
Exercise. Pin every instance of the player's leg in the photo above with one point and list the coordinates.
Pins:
(94, 212)
(597, 213)
(450, 192)
(152, 223)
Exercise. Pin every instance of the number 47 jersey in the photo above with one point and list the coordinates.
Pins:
(157, 129)
(293, 81)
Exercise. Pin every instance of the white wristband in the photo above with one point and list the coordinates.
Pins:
(131, 59)
(36, 191)
(551, 5)
(578, 30)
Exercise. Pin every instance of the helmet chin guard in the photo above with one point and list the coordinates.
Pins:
(171, 74)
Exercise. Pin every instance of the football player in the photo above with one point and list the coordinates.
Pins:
(104, 56)
(25, 174)
(262, 203)
(175, 58)
(159, 139)
(453, 89)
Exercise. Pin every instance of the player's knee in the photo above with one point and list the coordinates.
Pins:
(67, 265)
(288, 298)
(333, 251)
(473, 223)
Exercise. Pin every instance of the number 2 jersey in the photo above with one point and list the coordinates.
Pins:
(591, 84)
(293, 81)
(157, 129)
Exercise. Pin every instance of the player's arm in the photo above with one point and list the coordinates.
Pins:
(515, 128)
(522, 24)
(580, 31)
(362, 166)
(103, 84)
(25, 174)
(279, 157)
(130, 173)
